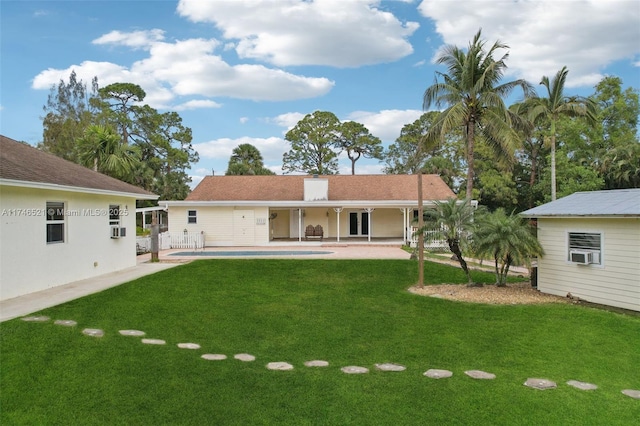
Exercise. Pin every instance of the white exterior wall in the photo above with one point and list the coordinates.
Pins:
(28, 264)
(616, 282)
(218, 224)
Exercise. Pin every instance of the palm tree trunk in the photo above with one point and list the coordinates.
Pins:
(420, 243)
(553, 160)
(470, 156)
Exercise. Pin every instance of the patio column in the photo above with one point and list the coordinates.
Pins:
(338, 210)
(369, 210)
(299, 225)
(404, 224)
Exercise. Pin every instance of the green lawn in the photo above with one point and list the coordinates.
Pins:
(346, 312)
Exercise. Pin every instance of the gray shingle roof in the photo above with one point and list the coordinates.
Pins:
(23, 163)
(617, 202)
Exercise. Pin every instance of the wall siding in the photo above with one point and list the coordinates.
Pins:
(615, 283)
(28, 264)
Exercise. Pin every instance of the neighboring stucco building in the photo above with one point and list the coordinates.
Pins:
(592, 247)
(60, 222)
(254, 210)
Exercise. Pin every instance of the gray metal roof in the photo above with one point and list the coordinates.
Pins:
(616, 202)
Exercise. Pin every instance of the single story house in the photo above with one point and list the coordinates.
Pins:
(256, 210)
(60, 222)
(592, 247)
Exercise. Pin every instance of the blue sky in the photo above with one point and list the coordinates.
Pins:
(247, 71)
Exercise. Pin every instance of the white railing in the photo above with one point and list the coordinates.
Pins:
(186, 240)
(430, 241)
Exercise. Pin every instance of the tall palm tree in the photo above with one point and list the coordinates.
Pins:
(509, 239)
(451, 221)
(473, 95)
(101, 148)
(246, 160)
(555, 105)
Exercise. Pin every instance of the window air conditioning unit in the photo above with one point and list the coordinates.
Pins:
(581, 257)
(115, 232)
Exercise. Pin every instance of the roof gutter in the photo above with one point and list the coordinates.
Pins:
(56, 187)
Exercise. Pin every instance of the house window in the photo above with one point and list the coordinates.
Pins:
(585, 242)
(192, 216)
(55, 222)
(114, 215)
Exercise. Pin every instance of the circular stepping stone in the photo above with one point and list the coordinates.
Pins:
(582, 385)
(136, 333)
(635, 394)
(438, 374)
(35, 319)
(541, 384)
(214, 357)
(66, 323)
(245, 357)
(93, 332)
(281, 366)
(316, 363)
(188, 346)
(153, 342)
(477, 374)
(390, 367)
(353, 369)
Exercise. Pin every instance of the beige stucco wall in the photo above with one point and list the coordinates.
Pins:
(29, 264)
(221, 224)
(615, 283)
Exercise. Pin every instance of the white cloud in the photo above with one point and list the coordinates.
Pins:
(287, 120)
(244, 120)
(361, 169)
(134, 39)
(545, 35)
(197, 104)
(220, 149)
(189, 68)
(296, 32)
(385, 124)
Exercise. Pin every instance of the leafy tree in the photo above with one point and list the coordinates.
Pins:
(572, 177)
(357, 141)
(473, 97)
(120, 99)
(246, 160)
(555, 105)
(452, 221)
(313, 140)
(101, 149)
(68, 113)
(508, 239)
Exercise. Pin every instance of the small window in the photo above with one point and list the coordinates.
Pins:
(55, 222)
(114, 215)
(586, 242)
(192, 216)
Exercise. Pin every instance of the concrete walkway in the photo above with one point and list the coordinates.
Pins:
(29, 303)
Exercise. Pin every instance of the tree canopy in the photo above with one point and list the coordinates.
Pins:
(246, 159)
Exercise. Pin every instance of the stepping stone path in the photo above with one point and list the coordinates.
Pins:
(541, 384)
(93, 332)
(438, 374)
(188, 346)
(635, 394)
(353, 369)
(282, 366)
(136, 333)
(245, 357)
(477, 374)
(316, 363)
(153, 342)
(35, 319)
(390, 367)
(214, 357)
(582, 385)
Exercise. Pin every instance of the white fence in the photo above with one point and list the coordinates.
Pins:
(182, 240)
(430, 242)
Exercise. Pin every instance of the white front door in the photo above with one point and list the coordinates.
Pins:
(243, 228)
